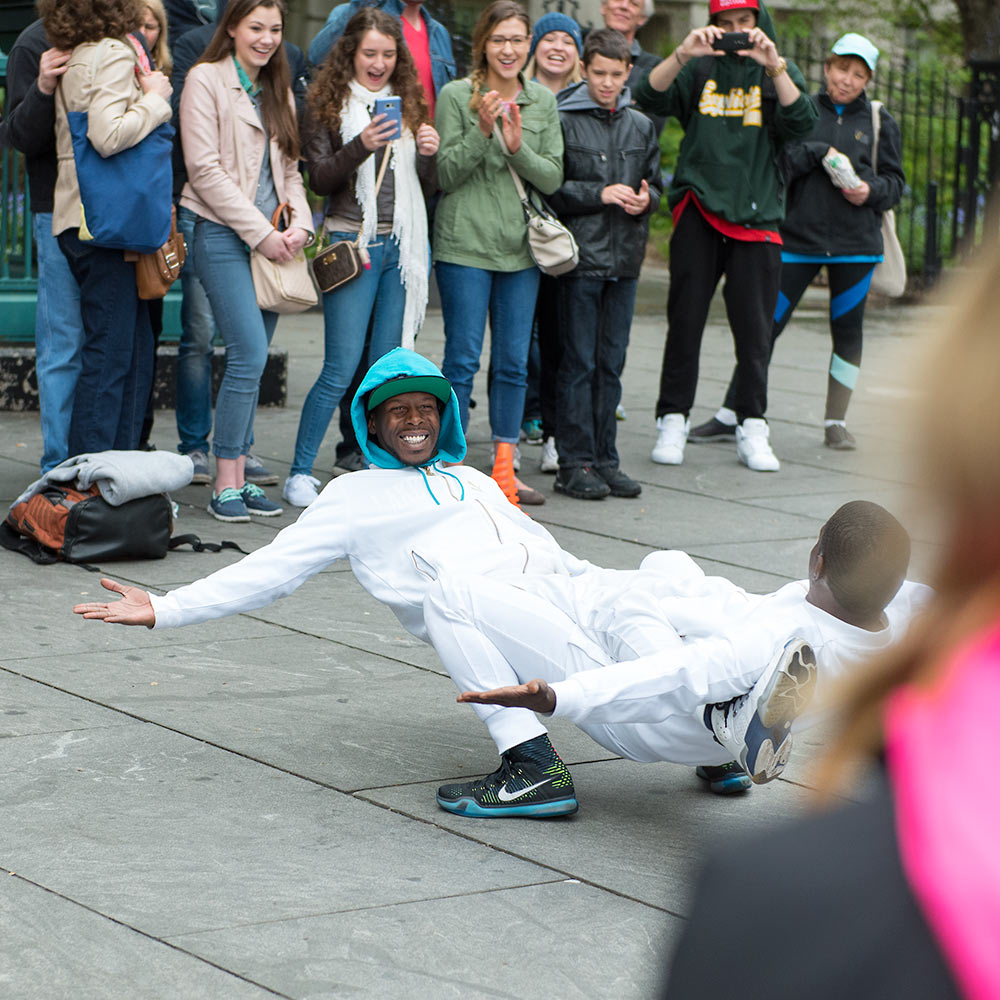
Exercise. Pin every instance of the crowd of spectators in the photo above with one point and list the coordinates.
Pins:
(576, 117)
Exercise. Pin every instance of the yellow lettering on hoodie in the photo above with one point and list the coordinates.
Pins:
(738, 103)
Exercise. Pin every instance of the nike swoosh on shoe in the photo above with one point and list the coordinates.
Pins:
(504, 796)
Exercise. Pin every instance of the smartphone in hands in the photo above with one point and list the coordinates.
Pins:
(392, 108)
(733, 41)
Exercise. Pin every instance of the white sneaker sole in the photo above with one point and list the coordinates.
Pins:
(768, 742)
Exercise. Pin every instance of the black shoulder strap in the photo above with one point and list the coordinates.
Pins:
(30, 547)
(199, 546)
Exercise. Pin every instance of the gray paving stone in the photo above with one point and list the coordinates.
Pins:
(56, 948)
(556, 939)
(670, 817)
(172, 836)
(29, 709)
(318, 709)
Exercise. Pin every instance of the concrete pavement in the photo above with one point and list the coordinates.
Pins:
(245, 808)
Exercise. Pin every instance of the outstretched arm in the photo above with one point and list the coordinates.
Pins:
(536, 696)
(134, 608)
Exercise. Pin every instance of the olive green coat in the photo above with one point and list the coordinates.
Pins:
(479, 221)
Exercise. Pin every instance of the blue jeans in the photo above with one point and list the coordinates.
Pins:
(58, 342)
(376, 294)
(194, 353)
(116, 362)
(468, 294)
(595, 318)
(222, 263)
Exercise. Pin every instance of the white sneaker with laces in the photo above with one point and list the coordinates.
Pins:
(671, 436)
(549, 462)
(300, 490)
(753, 447)
(756, 727)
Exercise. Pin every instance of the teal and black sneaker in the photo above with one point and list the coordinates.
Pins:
(725, 779)
(531, 780)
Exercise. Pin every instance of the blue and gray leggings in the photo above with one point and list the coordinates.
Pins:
(848, 291)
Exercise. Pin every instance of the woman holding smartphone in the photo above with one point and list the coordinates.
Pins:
(481, 246)
(345, 142)
(241, 149)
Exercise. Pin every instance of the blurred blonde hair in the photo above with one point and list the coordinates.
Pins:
(161, 50)
(956, 424)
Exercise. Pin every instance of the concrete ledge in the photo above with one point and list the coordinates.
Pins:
(19, 387)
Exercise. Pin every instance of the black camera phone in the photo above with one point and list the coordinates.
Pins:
(733, 41)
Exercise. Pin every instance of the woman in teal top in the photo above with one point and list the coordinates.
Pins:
(480, 241)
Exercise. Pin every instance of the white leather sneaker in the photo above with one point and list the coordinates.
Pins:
(549, 462)
(671, 436)
(300, 490)
(753, 447)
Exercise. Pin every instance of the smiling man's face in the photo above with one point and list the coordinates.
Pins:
(407, 426)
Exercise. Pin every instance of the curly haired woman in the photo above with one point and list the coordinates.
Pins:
(123, 105)
(344, 147)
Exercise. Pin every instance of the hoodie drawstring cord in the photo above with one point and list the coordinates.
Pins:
(442, 472)
(428, 485)
(461, 485)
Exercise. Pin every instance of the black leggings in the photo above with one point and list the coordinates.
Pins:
(848, 292)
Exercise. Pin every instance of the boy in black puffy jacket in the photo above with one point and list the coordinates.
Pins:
(611, 168)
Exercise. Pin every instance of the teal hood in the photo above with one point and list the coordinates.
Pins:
(400, 361)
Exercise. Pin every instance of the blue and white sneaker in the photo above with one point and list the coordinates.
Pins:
(257, 502)
(725, 779)
(532, 780)
(228, 505)
(756, 727)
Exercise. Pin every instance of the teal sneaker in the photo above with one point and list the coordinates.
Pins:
(726, 779)
(228, 506)
(531, 431)
(257, 502)
(531, 781)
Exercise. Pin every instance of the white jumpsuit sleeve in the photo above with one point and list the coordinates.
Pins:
(675, 682)
(318, 538)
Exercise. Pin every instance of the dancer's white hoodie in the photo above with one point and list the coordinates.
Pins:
(399, 526)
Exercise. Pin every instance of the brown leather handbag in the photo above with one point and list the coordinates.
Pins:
(338, 263)
(156, 272)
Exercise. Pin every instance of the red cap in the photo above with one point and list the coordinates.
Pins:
(718, 6)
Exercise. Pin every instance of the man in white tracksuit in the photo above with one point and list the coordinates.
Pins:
(634, 657)
(402, 524)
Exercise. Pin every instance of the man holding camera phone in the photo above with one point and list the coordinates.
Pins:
(739, 101)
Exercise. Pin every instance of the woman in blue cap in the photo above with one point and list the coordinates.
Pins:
(834, 217)
(554, 56)
(554, 62)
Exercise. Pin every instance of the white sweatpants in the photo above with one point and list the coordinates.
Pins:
(490, 634)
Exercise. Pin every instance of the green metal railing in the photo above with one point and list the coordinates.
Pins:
(18, 271)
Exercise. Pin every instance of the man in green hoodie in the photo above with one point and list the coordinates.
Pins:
(739, 102)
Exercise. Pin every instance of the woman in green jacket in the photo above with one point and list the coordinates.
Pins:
(480, 242)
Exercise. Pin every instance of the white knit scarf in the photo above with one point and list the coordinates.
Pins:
(409, 216)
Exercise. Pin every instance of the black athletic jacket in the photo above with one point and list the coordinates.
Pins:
(31, 115)
(819, 219)
(602, 147)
